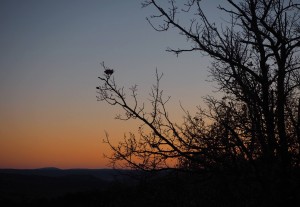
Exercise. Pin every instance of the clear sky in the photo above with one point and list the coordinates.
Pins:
(50, 52)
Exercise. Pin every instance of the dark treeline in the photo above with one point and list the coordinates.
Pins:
(170, 188)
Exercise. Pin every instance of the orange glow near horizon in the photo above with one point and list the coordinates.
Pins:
(47, 140)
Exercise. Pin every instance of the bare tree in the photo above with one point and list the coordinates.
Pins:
(256, 64)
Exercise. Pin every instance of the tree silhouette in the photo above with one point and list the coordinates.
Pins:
(255, 128)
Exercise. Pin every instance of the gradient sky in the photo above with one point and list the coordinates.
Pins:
(50, 54)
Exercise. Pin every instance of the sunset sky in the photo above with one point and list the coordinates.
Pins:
(50, 55)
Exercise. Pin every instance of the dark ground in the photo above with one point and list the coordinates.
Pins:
(54, 187)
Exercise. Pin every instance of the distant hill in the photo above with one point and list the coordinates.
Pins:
(103, 174)
(19, 186)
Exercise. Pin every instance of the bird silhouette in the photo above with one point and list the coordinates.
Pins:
(108, 71)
